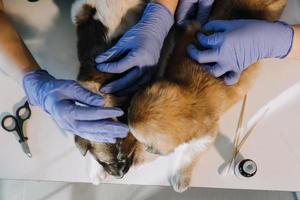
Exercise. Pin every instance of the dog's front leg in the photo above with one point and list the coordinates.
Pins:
(184, 159)
(96, 171)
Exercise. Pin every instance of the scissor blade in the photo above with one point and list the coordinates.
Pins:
(26, 149)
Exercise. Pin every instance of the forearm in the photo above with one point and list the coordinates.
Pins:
(170, 4)
(1, 6)
(15, 58)
(295, 51)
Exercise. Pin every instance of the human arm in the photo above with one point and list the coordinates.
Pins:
(57, 97)
(15, 58)
(295, 50)
(234, 45)
(170, 4)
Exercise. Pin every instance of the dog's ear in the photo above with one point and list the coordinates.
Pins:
(82, 144)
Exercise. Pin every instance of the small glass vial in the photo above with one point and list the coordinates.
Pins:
(245, 168)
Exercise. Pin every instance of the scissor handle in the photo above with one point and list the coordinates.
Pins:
(26, 112)
(13, 126)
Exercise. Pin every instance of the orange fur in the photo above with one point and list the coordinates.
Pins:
(186, 104)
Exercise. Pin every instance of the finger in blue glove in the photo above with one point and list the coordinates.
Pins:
(59, 98)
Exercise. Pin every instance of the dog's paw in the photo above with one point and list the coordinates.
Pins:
(97, 176)
(96, 172)
(180, 182)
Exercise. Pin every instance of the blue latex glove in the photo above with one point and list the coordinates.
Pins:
(137, 51)
(236, 44)
(193, 10)
(59, 97)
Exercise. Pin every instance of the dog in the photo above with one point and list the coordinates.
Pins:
(177, 113)
(99, 25)
(180, 113)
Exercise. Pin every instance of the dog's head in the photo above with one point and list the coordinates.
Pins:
(116, 159)
(165, 115)
(98, 26)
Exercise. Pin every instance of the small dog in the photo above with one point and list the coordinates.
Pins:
(180, 113)
(99, 24)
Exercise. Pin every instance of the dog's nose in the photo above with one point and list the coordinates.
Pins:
(121, 165)
(120, 175)
(122, 168)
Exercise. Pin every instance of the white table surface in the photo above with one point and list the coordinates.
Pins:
(274, 145)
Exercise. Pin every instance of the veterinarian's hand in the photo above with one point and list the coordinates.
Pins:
(59, 97)
(236, 44)
(193, 10)
(138, 51)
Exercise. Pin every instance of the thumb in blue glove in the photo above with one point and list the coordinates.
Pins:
(59, 97)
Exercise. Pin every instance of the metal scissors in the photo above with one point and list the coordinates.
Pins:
(12, 123)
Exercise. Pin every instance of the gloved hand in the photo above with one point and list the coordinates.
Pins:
(59, 97)
(193, 10)
(236, 44)
(137, 51)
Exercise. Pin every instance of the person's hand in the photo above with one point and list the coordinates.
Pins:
(58, 97)
(189, 10)
(138, 51)
(236, 44)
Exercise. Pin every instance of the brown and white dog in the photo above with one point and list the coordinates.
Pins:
(99, 24)
(178, 113)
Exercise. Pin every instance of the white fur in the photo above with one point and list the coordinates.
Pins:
(76, 8)
(184, 157)
(109, 12)
(96, 171)
(184, 154)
